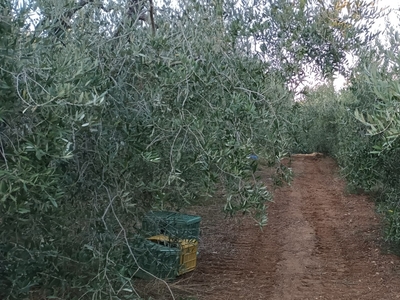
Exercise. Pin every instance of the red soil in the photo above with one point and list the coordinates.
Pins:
(320, 243)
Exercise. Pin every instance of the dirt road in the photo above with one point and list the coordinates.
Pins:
(320, 243)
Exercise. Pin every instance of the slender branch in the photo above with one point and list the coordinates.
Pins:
(63, 20)
(153, 26)
(127, 243)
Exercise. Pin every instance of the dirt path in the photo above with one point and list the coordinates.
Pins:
(319, 244)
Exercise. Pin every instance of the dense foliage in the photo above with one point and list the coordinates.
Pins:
(109, 109)
(99, 126)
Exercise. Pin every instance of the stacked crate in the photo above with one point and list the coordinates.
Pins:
(175, 237)
(155, 260)
(172, 224)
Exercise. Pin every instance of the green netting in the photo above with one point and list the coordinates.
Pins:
(159, 260)
(172, 224)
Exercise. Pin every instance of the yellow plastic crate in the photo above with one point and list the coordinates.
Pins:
(188, 251)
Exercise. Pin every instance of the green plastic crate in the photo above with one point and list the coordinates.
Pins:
(188, 251)
(159, 260)
(172, 224)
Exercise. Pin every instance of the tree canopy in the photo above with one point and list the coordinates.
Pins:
(111, 108)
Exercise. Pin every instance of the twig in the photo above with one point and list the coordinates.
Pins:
(110, 205)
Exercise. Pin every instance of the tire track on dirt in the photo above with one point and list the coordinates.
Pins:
(230, 260)
(336, 240)
(319, 244)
